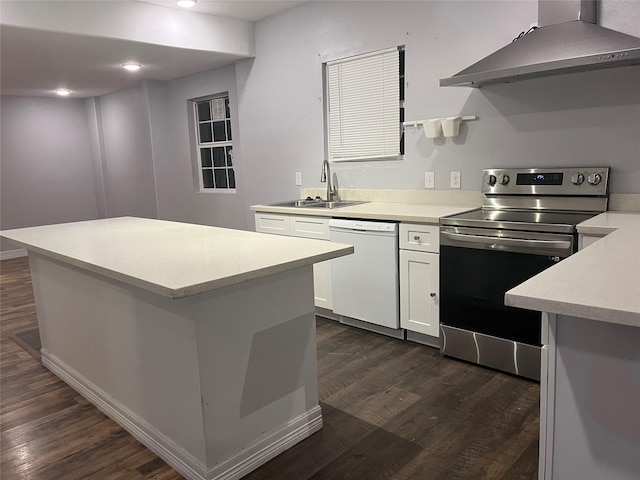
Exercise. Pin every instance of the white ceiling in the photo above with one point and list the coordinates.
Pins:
(35, 61)
(250, 10)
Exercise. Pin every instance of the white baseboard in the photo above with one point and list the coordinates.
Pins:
(233, 467)
(7, 254)
(185, 463)
(268, 446)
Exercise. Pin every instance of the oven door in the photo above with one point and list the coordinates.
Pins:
(477, 267)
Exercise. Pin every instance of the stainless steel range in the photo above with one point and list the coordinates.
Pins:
(527, 224)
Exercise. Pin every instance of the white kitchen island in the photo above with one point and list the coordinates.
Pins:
(590, 379)
(199, 341)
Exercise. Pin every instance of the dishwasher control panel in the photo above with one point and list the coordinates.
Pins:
(362, 225)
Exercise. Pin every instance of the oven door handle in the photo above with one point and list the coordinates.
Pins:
(509, 242)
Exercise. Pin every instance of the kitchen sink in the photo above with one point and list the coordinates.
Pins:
(296, 203)
(338, 204)
(311, 203)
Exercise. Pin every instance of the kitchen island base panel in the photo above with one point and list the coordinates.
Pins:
(590, 393)
(215, 384)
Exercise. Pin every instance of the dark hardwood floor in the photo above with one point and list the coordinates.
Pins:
(392, 410)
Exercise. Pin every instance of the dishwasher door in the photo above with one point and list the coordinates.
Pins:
(365, 285)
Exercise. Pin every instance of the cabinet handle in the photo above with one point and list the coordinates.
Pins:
(416, 237)
(432, 294)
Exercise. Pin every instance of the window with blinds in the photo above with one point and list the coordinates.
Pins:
(364, 106)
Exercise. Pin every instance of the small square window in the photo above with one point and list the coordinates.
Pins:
(219, 111)
(219, 134)
(221, 177)
(204, 111)
(205, 156)
(218, 157)
(205, 133)
(229, 156)
(207, 178)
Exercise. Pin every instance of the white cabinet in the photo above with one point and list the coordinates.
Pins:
(273, 223)
(305, 227)
(424, 238)
(420, 278)
(318, 228)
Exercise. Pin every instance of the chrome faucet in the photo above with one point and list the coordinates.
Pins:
(325, 177)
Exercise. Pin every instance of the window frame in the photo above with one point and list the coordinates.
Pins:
(227, 145)
(400, 105)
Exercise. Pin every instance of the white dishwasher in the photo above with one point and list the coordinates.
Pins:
(365, 285)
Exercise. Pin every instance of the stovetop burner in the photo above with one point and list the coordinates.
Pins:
(560, 222)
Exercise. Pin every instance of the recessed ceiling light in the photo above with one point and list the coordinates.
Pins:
(186, 3)
(132, 67)
(63, 92)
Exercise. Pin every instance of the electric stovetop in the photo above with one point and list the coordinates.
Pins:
(561, 222)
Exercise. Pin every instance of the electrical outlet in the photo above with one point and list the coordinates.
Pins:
(455, 179)
(298, 178)
(429, 180)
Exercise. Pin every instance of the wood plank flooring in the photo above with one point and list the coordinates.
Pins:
(392, 410)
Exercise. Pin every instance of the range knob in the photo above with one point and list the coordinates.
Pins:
(577, 178)
(503, 179)
(594, 178)
(491, 180)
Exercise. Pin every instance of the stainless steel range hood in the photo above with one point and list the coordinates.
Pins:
(559, 47)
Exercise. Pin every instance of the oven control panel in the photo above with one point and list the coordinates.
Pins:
(587, 181)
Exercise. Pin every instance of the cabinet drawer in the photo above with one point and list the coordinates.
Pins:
(273, 223)
(425, 238)
(310, 227)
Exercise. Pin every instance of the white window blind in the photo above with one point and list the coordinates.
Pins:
(364, 106)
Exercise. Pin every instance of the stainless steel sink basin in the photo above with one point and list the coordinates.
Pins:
(333, 204)
(316, 204)
(295, 203)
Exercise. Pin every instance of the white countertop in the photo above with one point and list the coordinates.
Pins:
(600, 282)
(399, 212)
(170, 258)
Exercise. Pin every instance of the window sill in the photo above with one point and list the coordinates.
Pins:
(225, 191)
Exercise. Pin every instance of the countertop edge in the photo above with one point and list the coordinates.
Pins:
(620, 232)
(589, 312)
(356, 211)
(264, 272)
(186, 290)
(596, 230)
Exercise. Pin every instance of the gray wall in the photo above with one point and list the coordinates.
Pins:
(138, 140)
(128, 169)
(174, 158)
(591, 118)
(46, 170)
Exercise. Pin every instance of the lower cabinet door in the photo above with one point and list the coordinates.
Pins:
(419, 292)
(322, 285)
(305, 227)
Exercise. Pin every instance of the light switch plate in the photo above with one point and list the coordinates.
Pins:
(455, 180)
(298, 178)
(429, 180)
